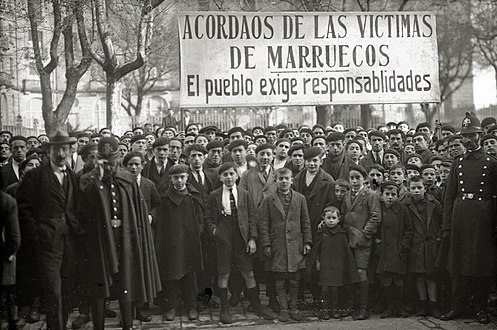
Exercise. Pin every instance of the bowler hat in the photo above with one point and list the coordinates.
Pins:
(61, 137)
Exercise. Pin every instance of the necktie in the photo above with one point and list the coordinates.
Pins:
(378, 158)
(161, 170)
(265, 175)
(232, 202)
(199, 178)
(65, 184)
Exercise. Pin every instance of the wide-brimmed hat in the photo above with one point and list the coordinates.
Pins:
(61, 137)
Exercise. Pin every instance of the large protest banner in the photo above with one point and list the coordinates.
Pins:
(265, 59)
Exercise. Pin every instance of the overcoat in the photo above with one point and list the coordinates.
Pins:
(333, 164)
(150, 195)
(286, 235)
(423, 253)
(469, 224)
(258, 188)
(368, 161)
(161, 181)
(178, 228)
(321, 195)
(362, 216)
(137, 265)
(11, 240)
(395, 234)
(9, 176)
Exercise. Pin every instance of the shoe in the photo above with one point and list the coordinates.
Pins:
(325, 314)
(225, 315)
(235, 299)
(33, 316)
(109, 313)
(257, 309)
(346, 312)
(336, 314)
(362, 315)
(391, 311)
(192, 315)
(433, 310)
(80, 321)
(451, 315)
(296, 315)
(423, 309)
(143, 316)
(482, 317)
(170, 314)
(274, 304)
(402, 312)
(283, 316)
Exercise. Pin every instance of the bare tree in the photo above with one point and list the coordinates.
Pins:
(66, 16)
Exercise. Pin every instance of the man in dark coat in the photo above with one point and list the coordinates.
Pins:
(47, 201)
(157, 170)
(10, 171)
(336, 154)
(177, 235)
(121, 253)
(469, 222)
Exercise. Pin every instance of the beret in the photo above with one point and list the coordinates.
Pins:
(226, 166)
(214, 144)
(178, 169)
(318, 137)
(221, 135)
(83, 134)
(488, 121)
(264, 146)
(235, 130)
(282, 140)
(312, 152)
(307, 130)
(258, 127)
(237, 143)
(488, 137)
(87, 147)
(226, 142)
(392, 152)
(412, 167)
(208, 128)
(260, 137)
(358, 168)
(95, 135)
(296, 147)
(138, 137)
(335, 136)
(413, 156)
(281, 126)
(297, 138)
(196, 147)
(138, 127)
(285, 131)
(269, 128)
(159, 142)
(107, 146)
(425, 166)
(379, 134)
(18, 138)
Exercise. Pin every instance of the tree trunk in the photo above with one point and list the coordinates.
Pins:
(113, 103)
(323, 114)
(365, 116)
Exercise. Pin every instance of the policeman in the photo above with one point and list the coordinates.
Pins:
(469, 223)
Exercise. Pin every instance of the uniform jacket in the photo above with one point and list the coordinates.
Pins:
(321, 195)
(247, 218)
(395, 234)
(150, 172)
(136, 262)
(423, 253)
(362, 216)
(286, 235)
(469, 224)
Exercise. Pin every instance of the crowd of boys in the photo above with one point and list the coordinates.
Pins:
(394, 220)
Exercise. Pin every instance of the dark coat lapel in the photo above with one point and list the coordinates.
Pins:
(279, 206)
(320, 182)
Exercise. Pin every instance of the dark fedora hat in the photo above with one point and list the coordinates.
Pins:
(61, 137)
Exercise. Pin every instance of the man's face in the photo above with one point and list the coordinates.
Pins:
(490, 146)
(335, 147)
(426, 130)
(31, 165)
(122, 151)
(417, 190)
(265, 157)
(390, 160)
(161, 153)
(197, 159)
(202, 140)
(135, 166)
(150, 140)
(106, 133)
(175, 150)
(487, 128)
(456, 148)
(354, 151)
(211, 134)
(396, 141)
(95, 139)
(282, 150)
(5, 137)
(4, 151)
(284, 181)
(377, 143)
(409, 150)
(179, 180)
(441, 150)
(189, 140)
(420, 144)
(251, 149)
(33, 143)
(340, 192)
(446, 133)
(147, 128)
(411, 173)
(138, 131)
(229, 177)
(404, 128)
(306, 137)
(397, 176)
(236, 136)
(318, 132)
(313, 164)
(471, 141)
(168, 133)
(59, 154)
(192, 129)
(415, 161)
(126, 141)
(257, 132)
(289, 135)
(356, 180)
(271, 136)
(260, 140)
(390, 196)
(239, 154)
(19, 150)
(82, 141)
(215, 155)
(320, 143)
(139, 146)
(429, 175)
(92, 158)
(350, 135)
(297, 158)
(375, 177)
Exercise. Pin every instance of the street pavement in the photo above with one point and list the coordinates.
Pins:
(209, 318)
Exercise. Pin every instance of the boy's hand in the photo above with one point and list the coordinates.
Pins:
(267, 251)
(251, 247)
(318, 265)
(307, 249)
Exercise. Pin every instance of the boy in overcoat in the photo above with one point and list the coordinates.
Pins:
(286, 237)
(231, 219)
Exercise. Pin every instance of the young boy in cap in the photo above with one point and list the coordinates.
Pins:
(285, 235)
(177, 242)
(231, 218)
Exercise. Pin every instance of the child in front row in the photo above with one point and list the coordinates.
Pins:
(426, 217)
(285, 236)
(395, 236)
(334, 261)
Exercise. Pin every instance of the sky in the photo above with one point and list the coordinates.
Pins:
(484, 89)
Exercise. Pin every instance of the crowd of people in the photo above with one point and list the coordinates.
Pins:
(395, 221)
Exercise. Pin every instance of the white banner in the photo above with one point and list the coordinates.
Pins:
(233, 59)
